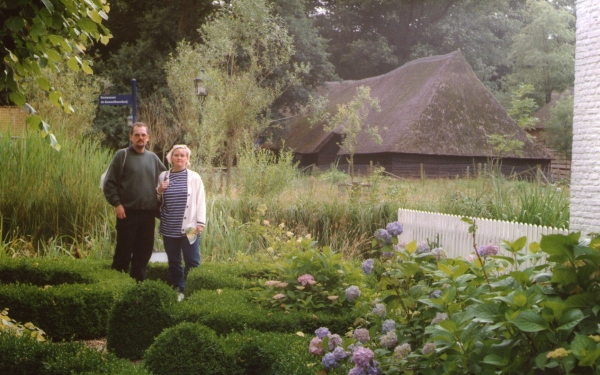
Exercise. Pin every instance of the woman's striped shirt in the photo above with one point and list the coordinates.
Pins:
(174, 202)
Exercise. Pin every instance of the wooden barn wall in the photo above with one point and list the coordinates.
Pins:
(328, 153)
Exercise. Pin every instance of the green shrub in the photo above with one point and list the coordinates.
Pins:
(67, 298)
(24, 356)
(189, 348)
(266, 353)
(229, 311)
(212, 276)
(138, 317)
(158, 271)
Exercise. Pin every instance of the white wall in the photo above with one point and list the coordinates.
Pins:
(585, 173)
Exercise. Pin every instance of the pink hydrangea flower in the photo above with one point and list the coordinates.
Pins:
(278, 296)
(316, 346)
(306, 279)
(272, 283)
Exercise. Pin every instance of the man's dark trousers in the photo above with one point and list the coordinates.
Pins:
(135, 242)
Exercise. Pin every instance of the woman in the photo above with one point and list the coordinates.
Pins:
(182, 215)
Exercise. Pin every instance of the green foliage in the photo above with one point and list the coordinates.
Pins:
(270, 353)
(12, 327)
(25, 356)
(261, 172)
(522, 106)
(213, 276)
(227, 310)
(138, 317)
(62, 190)
(531, 310)
(544, 50)
(559, 127)
(189, 348)
(67, 298)
(36, 36)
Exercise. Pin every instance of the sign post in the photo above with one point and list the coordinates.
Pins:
(122, 99)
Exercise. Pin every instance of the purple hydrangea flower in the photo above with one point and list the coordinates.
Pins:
(429, 348)
(435, 294)
(387, 254)
(380, 310)
(423, 247)
(322, 332)
(439, 253)
(383, 236)
(334, 341)
(487, 250)
(388, 326)
(329, 361)
(357, 371)
(352, 293)
(374, 370)
(395, 228)
(367, 266)
(362, 335)
(316, 346)
(362, 357)
(389, 339)
(339, 353)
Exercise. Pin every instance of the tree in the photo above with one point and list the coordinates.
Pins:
(349, 120)
(544, 50)
(559, 127)
(244, 46)
(371, 37)
(40, 34)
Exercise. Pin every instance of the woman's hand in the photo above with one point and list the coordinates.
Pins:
(199, 229)
(163, 186)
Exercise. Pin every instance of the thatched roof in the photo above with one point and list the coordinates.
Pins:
(434, 105)
(544, 113)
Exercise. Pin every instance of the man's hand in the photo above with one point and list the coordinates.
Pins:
(120, 211)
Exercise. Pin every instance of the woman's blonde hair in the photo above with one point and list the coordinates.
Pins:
(184, 148)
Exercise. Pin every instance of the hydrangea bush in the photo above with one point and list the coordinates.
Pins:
(520, 311)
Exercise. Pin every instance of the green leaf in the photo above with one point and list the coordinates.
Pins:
(570, 319)
(94, 16)
(564, 275)
(48, 4)
(534, 248)
(520, 276)
(518, 244)
(445, 269)
(582, 345)
(508, 259)
(88, 26)
(53, 55)
(44, 83)
(72, 64)
(582, 300)
(14, 23)
(55, 98)
(530, 321)
(44, 127)
(51, 140)
(17, 97)
(559, 244)
(33, 121)
(411, 247)
(494, 359)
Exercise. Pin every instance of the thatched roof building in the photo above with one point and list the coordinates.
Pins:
(434, 112)
(543, 115)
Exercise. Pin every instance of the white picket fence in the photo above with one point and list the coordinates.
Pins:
(454, 233)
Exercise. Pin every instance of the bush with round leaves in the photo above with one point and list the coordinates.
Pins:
(138, 317)
(190, 348)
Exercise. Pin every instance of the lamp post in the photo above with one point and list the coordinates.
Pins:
(199, 84)
(130, 121)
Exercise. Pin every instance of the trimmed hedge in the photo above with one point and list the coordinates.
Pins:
(214, 276)
(24, 356)
(67, 298)
(190, 348)
(271, 353)
(138, 317)
(232, 311)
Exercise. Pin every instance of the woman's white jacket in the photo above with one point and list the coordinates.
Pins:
(195, 207)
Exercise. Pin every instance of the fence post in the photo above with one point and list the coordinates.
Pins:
(422, 174)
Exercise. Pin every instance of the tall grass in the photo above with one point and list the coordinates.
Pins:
(46, 194)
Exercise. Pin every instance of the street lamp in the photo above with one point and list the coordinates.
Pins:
(199, 84)
(130, 121)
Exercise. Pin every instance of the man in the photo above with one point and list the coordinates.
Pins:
(130, 187)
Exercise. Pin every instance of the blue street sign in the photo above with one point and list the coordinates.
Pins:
(116, 100)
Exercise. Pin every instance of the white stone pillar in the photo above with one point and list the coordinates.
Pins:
(585, 167)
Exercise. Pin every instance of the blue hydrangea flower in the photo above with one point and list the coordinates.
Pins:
(383, 236)
(374, 370)
(339, 353)
(395, 228)
(388, 326)
(436, 294)
(423, 247)
(322, 332)
(387, 254)
(367, 266)
(362, 335)
(334, 341)
(380, 310)
(329, 361)
(357, 371)
(352, 293)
